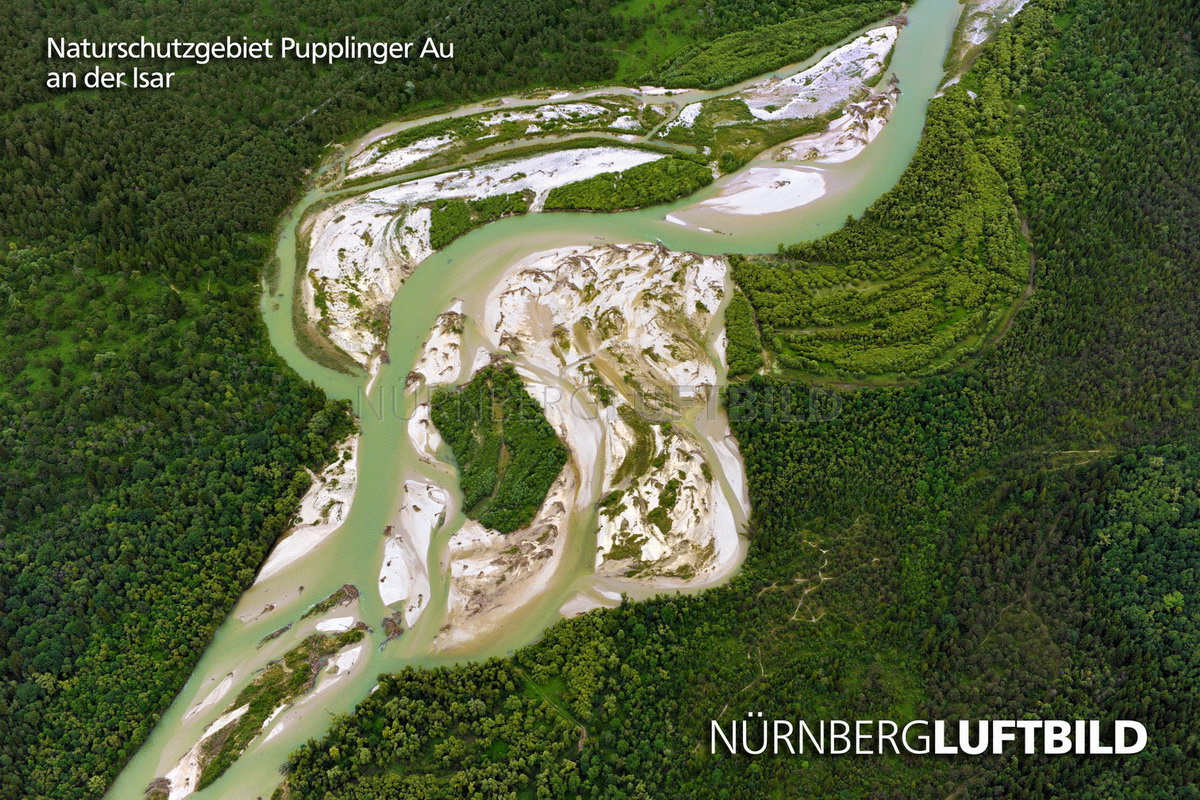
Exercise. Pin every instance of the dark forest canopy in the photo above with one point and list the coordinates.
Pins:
(741, 54)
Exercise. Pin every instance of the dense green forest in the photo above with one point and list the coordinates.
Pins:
(1016, 538)
(647, 184)
(152, 448)
(506, 452)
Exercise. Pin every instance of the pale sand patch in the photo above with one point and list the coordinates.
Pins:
(335, 625)
(768, 190)
(846, 136)
(213, 697)
(482, 357)
(546, 113)
(833, 81)
(339, 666)
(322, 510)
(183, 778)
(733, 469)
(425, 438)
(404, 573)
(373, 161)
(583, 602)
(440, 360)
(687, 117)
(725, 535)
(274, 715)
(278, 729)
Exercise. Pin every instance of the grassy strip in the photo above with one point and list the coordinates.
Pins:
(647, 184)
(452, 218)
(280, 682)
(637, 459)
(345, 595)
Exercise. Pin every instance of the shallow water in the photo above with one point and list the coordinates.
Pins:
(468, 269)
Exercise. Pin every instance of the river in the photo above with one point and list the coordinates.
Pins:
(468, 269)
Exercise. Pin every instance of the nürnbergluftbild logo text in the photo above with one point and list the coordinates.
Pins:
(759, 735)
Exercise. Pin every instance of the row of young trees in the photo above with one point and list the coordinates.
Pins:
(778, 36)
(450, 219)
(931, 269)
(648, 184)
